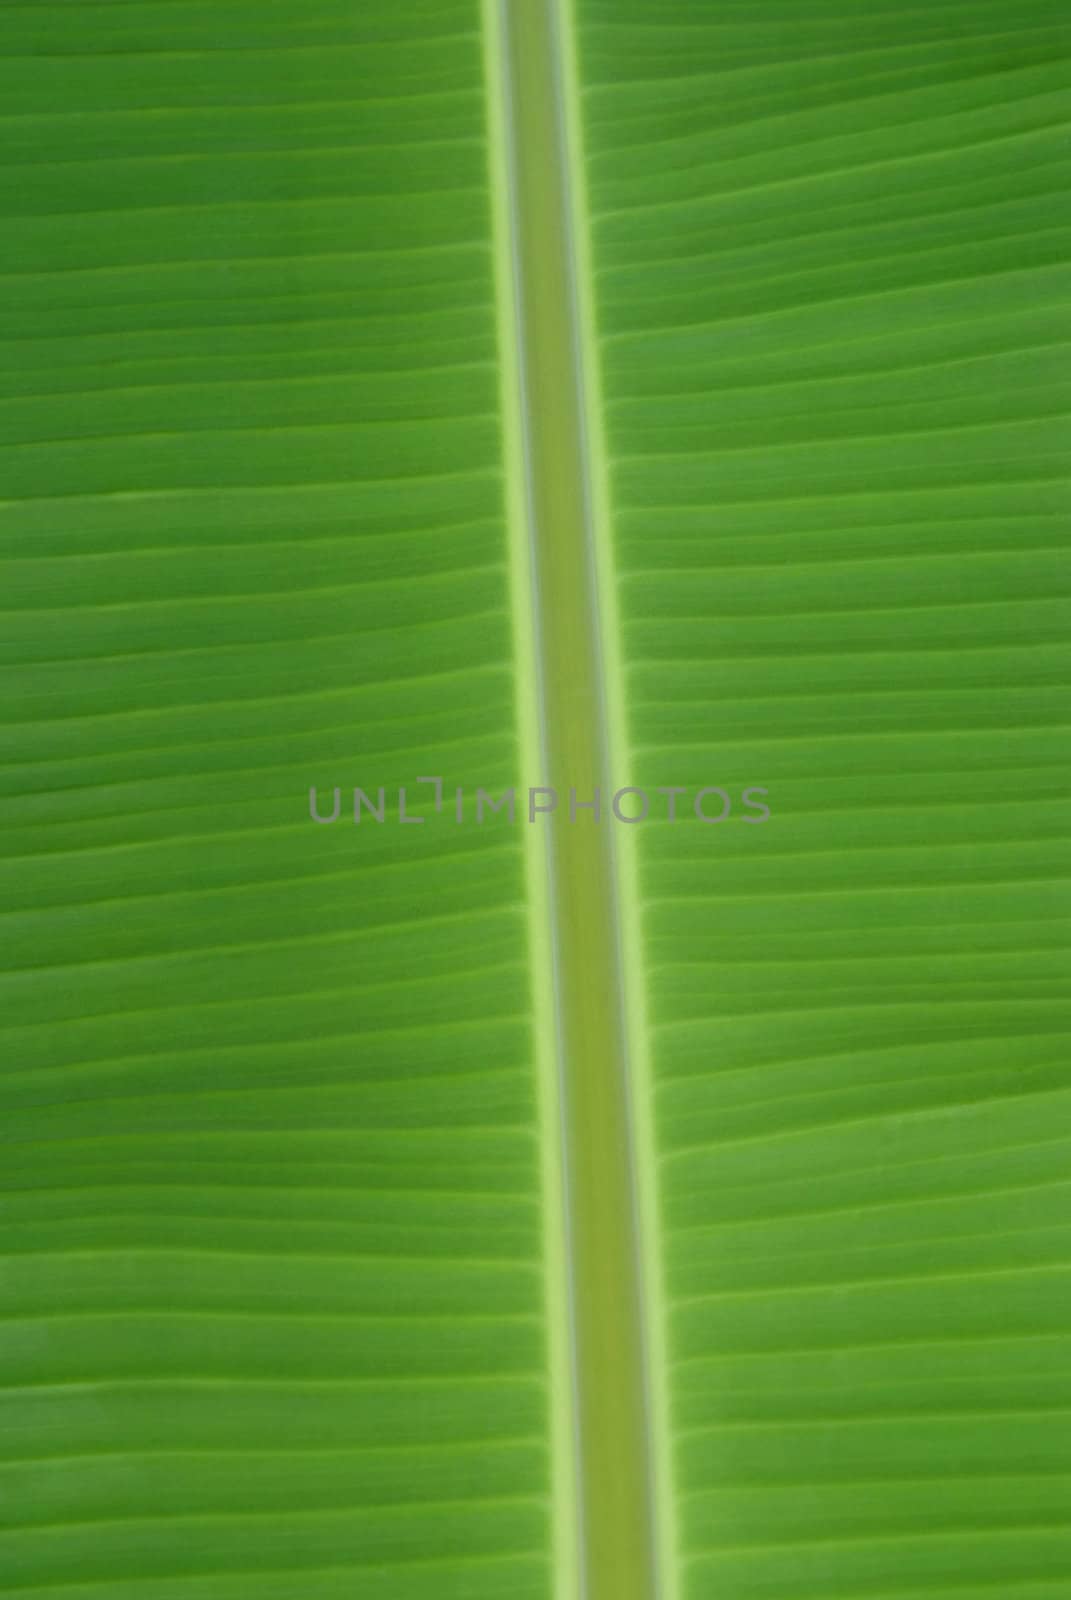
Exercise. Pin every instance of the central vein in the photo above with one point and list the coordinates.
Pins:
(603, 1139)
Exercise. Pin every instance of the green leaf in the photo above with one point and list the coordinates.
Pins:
(572, 393)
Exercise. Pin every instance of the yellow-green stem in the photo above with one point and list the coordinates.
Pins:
(616, 1544)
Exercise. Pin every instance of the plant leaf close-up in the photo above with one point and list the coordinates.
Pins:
(535, 852)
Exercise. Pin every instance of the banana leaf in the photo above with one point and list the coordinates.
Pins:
(422, 1178)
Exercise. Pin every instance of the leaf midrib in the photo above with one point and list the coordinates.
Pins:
(609, 1470)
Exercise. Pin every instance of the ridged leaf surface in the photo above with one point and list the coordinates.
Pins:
(289, 1286)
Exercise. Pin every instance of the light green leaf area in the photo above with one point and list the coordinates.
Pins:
(829, 246)
(294, 1301)
(273, 1287)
